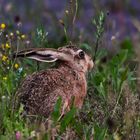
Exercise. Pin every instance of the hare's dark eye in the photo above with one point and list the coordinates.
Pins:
(81, 55)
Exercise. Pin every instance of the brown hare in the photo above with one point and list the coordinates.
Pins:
(40, 90)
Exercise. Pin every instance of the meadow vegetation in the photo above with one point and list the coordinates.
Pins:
(111, 110)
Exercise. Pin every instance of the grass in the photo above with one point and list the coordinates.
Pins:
(111, 108)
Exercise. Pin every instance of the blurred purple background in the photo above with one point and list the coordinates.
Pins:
(122, 20)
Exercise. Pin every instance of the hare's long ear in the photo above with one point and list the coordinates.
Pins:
(40, 54)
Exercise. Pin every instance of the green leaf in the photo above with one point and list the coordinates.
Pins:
(94, 22)
(102, 89)
(57, 109)
(45, 137)
(124, 75)
(86, 47)
(2, 137)
(67, 119)
(97, 79)
(99, 133)
(127, 45)
(119, 59)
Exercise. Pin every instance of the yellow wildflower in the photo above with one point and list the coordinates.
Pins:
(5, 78)
(7, 46)
(23, 36)
(4, 58)
(16, 66)
(3, 26)
(17, 32)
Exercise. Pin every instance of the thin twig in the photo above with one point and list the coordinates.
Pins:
(74, 15)
(96, 48)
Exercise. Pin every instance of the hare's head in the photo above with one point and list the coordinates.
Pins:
(70, 55)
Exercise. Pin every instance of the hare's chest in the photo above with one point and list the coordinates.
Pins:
(80, 87)
(79, 91)
(74, 85)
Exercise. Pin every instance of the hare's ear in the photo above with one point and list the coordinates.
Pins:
(40, 54)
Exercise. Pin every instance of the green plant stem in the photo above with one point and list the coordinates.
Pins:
(74, 17)
(65, 31)
(96, 48)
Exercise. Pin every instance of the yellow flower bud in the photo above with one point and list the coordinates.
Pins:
(4, 58)
(16, 66)
(5, 78)
(17, 32)
(3, 26)
(23, 36)
(7, 46)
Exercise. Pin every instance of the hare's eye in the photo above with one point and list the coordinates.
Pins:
(81, 55)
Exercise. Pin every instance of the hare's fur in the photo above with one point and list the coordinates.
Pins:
(40, 90)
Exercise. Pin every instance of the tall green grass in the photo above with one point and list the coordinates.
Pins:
(110, 108)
